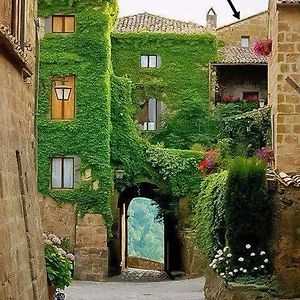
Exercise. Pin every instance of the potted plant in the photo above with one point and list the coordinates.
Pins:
(262, 47)
(58, 264)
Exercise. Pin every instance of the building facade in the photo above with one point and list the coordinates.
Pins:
(22, 274)
(284, 98)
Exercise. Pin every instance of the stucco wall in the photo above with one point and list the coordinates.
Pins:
(22, 271)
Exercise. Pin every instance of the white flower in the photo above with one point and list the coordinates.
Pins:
(217, 256)
(221, 258)
(241, 269)
(262, 266)
(220, 252)
(227, 262)
(262, 253)
(241, 259)
(214, 266)
(245, 271)
(229, 255)
(214, 261)
(230, 273)
(222, 274)
(235, 270)
(255, 268)
(252, 254)
(226, 248)
(248, 246)
(266, 261)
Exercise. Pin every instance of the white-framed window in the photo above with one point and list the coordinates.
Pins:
(150, 61)
(62, 173)
(245, 41)
(149, 116)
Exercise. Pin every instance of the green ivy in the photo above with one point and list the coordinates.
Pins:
(85, 54)
(208, 220)
(182, 82)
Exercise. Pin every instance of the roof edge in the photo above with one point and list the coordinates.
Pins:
(239, 21)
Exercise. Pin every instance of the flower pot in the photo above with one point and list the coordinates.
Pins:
(51, 291)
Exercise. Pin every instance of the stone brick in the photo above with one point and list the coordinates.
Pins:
(286, 47)
(285, 108)
(22, 271)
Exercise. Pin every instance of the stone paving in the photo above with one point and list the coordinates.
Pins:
(190, 289)
(131, 274)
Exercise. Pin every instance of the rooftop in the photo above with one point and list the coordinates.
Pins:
(288, 1)
(285, 179)
(153, 23)
(234, 55)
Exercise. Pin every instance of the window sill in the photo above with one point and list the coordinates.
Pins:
(14, 51)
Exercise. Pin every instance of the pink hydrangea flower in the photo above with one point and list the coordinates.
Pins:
(62, 251)
(48, 242)
(71, 256)
(52, 236)
(56, 241)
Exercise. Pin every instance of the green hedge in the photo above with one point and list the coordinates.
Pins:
(248, 209)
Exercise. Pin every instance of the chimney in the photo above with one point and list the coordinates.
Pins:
(211, 19)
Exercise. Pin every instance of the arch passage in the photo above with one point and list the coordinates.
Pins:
(172, 244)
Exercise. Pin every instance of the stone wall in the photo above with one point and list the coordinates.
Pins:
(255, 26)
(287, 241)
(87, 235)
(284, 97)
(216, 289)
(144, 264)
(22, 272)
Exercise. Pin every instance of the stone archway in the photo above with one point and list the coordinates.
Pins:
(172, 244)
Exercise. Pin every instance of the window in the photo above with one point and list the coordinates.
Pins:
(18, 21)
(63, 24)
(62, 173)
(149, 115)
(150, 61)
(245, 43)
(63, 109)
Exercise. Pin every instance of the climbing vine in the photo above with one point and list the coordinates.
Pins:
(181, 82)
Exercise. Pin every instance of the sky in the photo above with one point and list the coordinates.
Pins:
(192, 10)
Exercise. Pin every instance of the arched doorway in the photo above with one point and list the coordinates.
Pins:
(145, 235)
(172, 245)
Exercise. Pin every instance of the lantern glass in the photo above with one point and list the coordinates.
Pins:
(63, 92)
(261, 103)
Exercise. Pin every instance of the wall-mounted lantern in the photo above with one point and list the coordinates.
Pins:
(119, 174)
(262, 103)
(63, 92)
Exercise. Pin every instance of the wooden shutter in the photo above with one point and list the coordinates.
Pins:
(69, 24)
(57, 23)
(144, 115)
(63, 110)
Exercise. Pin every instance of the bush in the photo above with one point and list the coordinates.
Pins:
(208, 220)
(58, 262)
(248, 210)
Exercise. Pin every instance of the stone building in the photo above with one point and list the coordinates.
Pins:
(240, 74)
(22, 272)
(284, 98)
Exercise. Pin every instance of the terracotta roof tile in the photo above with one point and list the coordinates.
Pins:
(153, 23)
(238, 55)
(285, 179)
(288, 1)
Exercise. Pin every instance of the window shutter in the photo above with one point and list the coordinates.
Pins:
(143, 115)
(48, 25)
(69, 24)
(57, 24)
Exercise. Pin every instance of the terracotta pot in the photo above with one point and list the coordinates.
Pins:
(267, 47)
(51, 291)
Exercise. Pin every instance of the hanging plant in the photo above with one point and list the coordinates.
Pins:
(262, 47)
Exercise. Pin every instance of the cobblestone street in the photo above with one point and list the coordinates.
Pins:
(191, 289)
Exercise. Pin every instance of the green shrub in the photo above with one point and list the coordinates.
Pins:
(247, 207)
(208, 220)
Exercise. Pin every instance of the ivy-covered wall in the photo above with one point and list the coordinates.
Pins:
(181, 82)
(85, 54)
